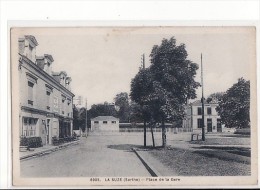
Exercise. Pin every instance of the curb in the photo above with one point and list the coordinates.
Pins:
(147, 165)
(48, 151)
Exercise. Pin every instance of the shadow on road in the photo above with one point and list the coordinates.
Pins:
(129, 147)
(125, 147)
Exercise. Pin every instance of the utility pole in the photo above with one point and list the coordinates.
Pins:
(86, 130)
(202, 102)
(143, 62)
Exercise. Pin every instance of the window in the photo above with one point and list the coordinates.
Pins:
(69, 101)
(114, 122)
(199, 111)
(96, 122)
(199, 123)
(104, 122)
(48, 93)
(63, 98)
(30, 92)
(209, 111)
(29, 127)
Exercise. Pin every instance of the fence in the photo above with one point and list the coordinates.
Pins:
(148, 129)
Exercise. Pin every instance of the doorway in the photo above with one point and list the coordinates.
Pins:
(219, 128)
(209, 125)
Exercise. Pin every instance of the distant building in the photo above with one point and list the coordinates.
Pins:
(45, 96)
(193, 117)
(105, 123)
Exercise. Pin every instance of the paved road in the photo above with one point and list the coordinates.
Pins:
(110, 154)
(97, 155)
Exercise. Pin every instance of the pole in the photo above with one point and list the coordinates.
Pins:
(86, 130)
(143, 60)
(202, 102)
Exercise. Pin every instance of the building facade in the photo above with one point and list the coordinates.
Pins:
(105, 123)
(193, 117)
(45, 96)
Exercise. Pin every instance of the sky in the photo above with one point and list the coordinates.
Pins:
(102, 61)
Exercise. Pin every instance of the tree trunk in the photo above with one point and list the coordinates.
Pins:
(152, 135)
(144, 133)
(163, 134)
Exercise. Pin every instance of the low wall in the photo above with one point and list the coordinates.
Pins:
(148, 129)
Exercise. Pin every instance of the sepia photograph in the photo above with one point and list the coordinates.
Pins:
(126, 106)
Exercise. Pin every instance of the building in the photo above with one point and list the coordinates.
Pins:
(105, 123)
(193, 117)
(45, 96)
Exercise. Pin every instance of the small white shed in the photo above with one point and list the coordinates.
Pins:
(105, 123)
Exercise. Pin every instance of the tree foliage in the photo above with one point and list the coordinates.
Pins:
(79, 119)
(122, 101)
(215, 97)
(235, 105)
(173, 76)
(76, 120)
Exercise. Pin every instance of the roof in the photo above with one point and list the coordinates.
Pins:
(198, 102)
(104, 118)
(46, 56)
(59, 73)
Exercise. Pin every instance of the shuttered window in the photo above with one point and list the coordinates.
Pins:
(30, 93)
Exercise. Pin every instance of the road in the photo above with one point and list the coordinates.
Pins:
(95, 156)
(110, 155)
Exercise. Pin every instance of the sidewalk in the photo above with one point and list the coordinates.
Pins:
(47, 149)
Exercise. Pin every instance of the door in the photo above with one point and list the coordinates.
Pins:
(209, 125)
(48, 131)
(219, 128)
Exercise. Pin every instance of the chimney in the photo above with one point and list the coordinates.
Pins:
(27, 47)
(45, 63)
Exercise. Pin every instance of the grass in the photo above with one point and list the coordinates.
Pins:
(189, 163)
(223, 141)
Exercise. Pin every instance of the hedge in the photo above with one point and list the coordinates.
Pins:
(31, 142)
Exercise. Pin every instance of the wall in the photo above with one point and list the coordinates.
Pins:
(40, 101)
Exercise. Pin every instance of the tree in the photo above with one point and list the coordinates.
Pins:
(234, 105)
(173, 81)
(170, 83)
(215, 97)
(105, 109)
(141, 88)
(122, 101)
(76, 120)
(82, 119)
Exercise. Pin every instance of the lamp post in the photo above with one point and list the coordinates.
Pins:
(202, 102)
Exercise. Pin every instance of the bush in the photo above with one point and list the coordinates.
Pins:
(31, 142)
(23, 141)
(34, 142)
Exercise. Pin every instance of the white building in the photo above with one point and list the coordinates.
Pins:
(105, 123)
(193, 118)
